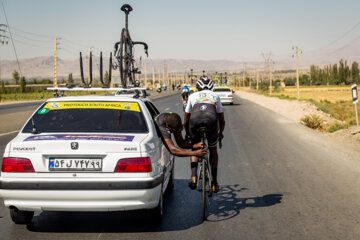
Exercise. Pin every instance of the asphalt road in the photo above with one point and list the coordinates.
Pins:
(279, 180)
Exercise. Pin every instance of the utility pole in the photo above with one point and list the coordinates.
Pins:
(257, 77)
(270, 74)
(165, 78)
(297, 70)
(56, 44)
(159, 74)
(145, 72)
(267, 58)
(153, 76)
(4, 40)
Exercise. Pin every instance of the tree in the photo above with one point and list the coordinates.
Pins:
(16, 77)
(355, 72)
(22, 85)
(3, 91)
(70, 78)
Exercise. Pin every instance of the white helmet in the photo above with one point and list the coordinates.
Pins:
(204, 83)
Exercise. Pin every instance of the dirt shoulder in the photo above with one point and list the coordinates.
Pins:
(296, 110)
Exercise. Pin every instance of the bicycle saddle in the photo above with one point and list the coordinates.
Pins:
(126, 8)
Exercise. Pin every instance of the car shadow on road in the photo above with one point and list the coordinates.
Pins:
(182, 210)
(226, 204)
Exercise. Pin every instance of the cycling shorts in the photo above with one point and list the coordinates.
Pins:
(204, 115)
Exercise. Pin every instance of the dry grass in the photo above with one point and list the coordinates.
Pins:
(321, 93)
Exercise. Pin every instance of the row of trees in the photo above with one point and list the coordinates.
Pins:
(336, 74)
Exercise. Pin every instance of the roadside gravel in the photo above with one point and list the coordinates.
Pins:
(296, 110)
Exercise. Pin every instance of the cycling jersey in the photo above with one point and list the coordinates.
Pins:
(185, 89)
(204, 107)
(205, 96)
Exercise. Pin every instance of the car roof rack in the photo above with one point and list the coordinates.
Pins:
(60, 91)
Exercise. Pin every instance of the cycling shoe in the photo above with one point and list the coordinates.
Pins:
(193, 183)
(215, 187)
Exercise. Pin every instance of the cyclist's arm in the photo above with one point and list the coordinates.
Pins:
(187, 122)
(182, 152)
(221, 122)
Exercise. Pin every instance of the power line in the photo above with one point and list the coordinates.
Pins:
(31, 39)
(30, 33)
(32, 45)
(346, 33)
(7, 22)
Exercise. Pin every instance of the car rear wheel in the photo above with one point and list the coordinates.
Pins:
(21, 217)
(231, 103)
(157, 213)
(170, 186)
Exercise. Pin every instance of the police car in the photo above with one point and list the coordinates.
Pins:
(87, 153)
(225, 94)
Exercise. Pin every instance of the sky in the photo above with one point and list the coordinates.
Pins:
(238, 30)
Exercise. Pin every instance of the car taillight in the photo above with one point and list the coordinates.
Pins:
(16, 165)
(230, 96)
(134, 165)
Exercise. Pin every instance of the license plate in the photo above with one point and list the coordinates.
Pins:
(77, 164)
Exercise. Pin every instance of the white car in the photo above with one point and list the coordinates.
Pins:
(89, 153)
(225, 94)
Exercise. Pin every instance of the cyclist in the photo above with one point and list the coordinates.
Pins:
(158, 88)
(170, 123)
(204, 109)
(185, 93)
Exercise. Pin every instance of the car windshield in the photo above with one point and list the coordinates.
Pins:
(222, 90)
(114, 117)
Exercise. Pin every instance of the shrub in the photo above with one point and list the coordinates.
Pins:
(313, 121)
(335, 127)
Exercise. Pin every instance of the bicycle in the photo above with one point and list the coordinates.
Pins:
(124, 53)
(204, 176)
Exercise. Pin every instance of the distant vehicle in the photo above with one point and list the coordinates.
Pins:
(225, 94)
(87, 153)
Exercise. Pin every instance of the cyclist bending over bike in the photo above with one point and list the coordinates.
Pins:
(185, 93)
(204, 109)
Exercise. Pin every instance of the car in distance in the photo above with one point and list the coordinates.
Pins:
(225, 94)
(87, 153)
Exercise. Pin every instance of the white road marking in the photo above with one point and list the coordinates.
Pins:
(167, 109)
(3, 134)
(177, 104)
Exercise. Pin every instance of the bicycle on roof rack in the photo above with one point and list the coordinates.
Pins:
(124, 53)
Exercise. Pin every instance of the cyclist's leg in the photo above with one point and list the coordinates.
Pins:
(193, 160)
(212, 137)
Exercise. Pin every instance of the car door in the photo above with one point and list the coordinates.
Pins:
(167, 158)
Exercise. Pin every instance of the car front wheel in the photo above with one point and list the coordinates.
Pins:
(21, 217)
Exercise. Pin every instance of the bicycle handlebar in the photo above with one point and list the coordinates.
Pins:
(146, 47)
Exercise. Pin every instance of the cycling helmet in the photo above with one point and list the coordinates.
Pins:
(204, 83)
